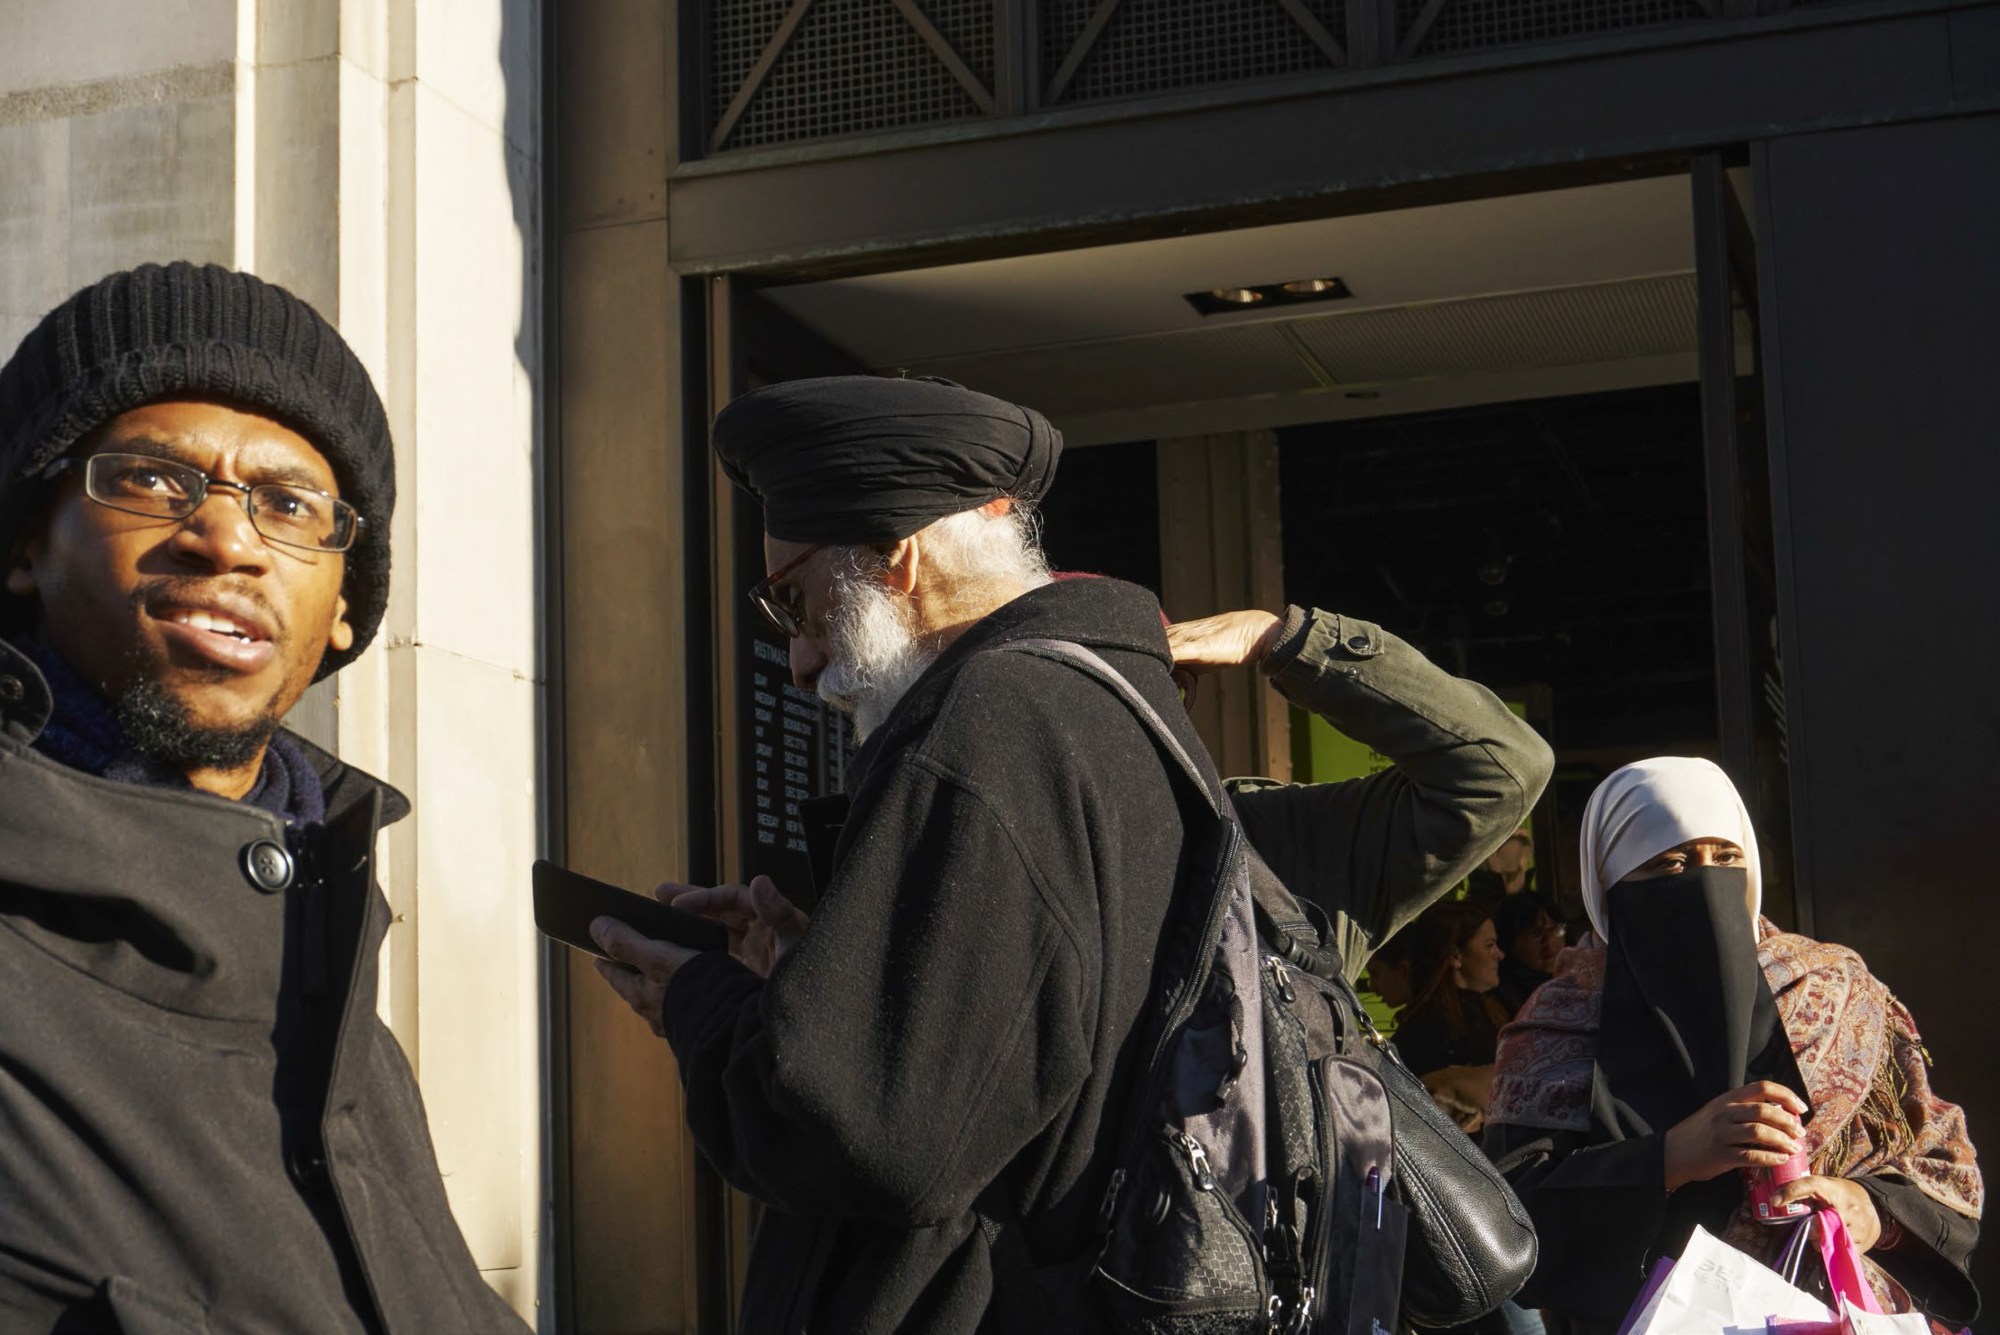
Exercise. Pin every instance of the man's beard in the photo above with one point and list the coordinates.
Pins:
(160, 727)
(873, 655)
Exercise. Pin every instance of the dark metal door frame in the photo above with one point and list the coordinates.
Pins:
(1746, 536)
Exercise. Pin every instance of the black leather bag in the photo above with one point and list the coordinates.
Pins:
(1471, 1245)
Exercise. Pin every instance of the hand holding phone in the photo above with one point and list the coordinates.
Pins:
(762, 924)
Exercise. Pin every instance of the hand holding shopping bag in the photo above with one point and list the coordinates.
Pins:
(1860, 1311)
(1714, 1289)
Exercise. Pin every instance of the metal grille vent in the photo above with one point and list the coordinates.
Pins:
(1153, 46)
(852, 66)
(1429, 28)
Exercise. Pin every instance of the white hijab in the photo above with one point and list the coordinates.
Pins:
(1650, 806)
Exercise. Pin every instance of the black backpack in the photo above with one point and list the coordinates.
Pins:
(1276, 1156)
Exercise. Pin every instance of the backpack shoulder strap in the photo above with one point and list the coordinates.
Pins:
(1283, 920)
(1074, 654)
(998, 1221)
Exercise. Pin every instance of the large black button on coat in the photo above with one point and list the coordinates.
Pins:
(268, 866)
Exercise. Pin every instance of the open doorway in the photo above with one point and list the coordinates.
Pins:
(1478, 423)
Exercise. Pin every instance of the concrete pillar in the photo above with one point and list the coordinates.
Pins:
(632, 1241)
(396, 168)
(1220, 551)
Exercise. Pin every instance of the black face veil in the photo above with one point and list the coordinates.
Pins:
(1687, 1012)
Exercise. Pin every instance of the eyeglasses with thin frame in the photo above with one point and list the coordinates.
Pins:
(142, 484)
(785, 611)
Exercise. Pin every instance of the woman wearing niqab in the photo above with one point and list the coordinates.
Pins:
(1686, 1038)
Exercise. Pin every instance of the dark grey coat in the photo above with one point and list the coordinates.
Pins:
(963, 1008)
(203, 1124)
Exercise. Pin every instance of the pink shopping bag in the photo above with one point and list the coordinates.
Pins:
(1844, 1268)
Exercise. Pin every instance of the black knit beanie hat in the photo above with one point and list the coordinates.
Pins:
(181, 330)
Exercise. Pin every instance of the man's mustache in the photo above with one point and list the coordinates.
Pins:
(205, 588)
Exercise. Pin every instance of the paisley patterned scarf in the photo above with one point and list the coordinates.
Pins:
(1864, 1064)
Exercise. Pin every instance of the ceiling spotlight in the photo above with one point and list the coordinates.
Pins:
(1221, 300)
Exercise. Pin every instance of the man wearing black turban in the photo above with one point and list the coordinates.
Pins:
(958, 1012)
(956, 1035)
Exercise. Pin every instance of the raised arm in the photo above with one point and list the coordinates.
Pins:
(1373, 852)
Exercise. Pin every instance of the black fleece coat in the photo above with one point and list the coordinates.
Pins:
(964, 1008)
(204, 1127)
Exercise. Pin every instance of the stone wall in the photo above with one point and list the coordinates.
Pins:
(379, 158)
(117, 144)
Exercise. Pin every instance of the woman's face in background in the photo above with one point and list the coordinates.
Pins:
(1476, 966)
(1538, 944)
(1686, 857)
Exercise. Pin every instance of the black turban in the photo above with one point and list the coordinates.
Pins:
(852, 459)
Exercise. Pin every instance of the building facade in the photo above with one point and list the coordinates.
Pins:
(1629, 355)
(1707, 276)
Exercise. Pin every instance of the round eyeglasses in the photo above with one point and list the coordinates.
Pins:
(141, 484)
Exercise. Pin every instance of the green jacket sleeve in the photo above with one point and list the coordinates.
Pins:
(1374, 852)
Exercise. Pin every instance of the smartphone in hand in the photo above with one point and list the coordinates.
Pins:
(566, 903)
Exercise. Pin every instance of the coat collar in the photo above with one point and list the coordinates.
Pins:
(1102, 614)
(26, 704)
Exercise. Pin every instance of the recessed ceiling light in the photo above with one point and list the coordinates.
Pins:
(1219, 300)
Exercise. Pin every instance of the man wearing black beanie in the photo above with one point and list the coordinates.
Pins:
(203, 1123)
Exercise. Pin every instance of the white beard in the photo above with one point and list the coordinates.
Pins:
(873, 657)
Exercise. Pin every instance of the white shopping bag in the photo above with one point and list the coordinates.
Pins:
(1877, 1323)
(1714, 1289)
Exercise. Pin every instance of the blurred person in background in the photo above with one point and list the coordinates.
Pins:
(1386, 985)
(1448, 1034)
(1508, 872)
(1530, 939)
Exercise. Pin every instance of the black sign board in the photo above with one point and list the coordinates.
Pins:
(794, 747)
